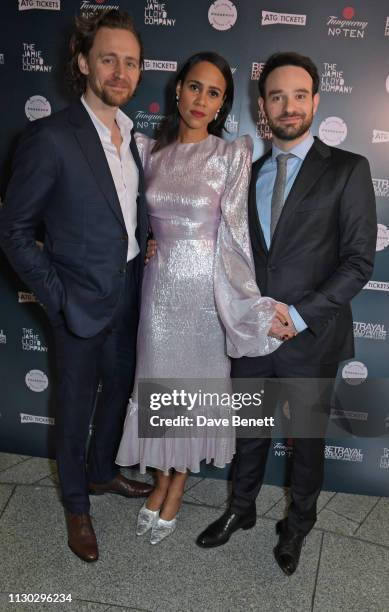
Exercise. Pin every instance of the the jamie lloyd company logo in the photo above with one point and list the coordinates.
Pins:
(387, 27)
(44, 5)
(384, 460)
(222, 15)
(36, 381)
(281, 449)
(343, 453)
(346, 26)
(24, 297)
(271, 18)
(382, 237)
(354, 373)
(262, 128)
(32, 60)
(377, 286)
(37, 107)
(256, 69)
(156, 13)
(332, 80)
(149, 119)
(32, 342)
(35, 419)
(381, 187)
(380, 136)
(3, 337)
(163, 65)
(369, 331)
(333, 131)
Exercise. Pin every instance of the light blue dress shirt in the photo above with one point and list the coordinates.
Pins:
(264, 192)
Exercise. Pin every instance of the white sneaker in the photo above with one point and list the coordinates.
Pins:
(162, 529)
(146, 520)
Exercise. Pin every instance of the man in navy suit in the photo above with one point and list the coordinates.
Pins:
(313, 231)
(79, 173)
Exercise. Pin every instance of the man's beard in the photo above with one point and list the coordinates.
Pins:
(291, 132)
(111, 97)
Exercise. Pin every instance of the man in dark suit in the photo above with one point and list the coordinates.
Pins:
(79, 173)
(313, 231)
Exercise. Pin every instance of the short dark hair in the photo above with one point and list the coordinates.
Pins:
(84, 35)
(168, 131)
(288, 58)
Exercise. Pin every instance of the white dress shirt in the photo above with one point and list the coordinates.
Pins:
(124, 172)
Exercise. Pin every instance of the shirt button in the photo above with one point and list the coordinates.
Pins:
(122, 271)
(271, 268)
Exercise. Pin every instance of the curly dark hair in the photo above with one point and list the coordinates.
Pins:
(288, 58)
(168, 131)
(81, 41)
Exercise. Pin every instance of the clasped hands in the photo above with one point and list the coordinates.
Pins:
(282, 326)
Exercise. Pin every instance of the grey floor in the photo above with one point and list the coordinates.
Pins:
(344, 563)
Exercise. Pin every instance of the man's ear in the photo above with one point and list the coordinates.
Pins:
(261, 104)
(83, 64)
(316, 100)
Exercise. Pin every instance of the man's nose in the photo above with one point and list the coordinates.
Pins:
(119, 69)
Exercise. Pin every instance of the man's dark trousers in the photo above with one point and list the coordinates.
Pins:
(308, 453)
(108, 356)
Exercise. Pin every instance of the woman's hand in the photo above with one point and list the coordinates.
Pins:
(150, 250)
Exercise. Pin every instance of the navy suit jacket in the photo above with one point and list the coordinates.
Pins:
(61, 177)
(322, 251)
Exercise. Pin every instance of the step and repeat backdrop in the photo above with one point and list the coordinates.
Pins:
(350, 45)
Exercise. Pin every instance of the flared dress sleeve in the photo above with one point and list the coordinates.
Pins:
(245, 314)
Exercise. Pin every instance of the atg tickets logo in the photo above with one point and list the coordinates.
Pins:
(380, 136)
(24, 297)
(270, 18)
(44, 5)
(377, 286)
(162, 65)
(34, 418)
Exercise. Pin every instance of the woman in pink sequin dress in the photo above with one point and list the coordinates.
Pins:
(200, 301)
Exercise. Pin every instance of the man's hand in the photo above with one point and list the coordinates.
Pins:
(282, 326)
(151, 250)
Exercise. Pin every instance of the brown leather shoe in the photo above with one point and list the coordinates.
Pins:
(81, 536)
(121, 486)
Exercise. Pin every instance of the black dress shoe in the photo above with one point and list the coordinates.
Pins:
(220, 531)
(288, 550)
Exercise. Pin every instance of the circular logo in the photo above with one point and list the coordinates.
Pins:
(222, 15)
(387, 84)
(36, 380)
(348, 12)
(382, 237)
(37, 107)
(333, 131)
(354, 373)
(154, 108)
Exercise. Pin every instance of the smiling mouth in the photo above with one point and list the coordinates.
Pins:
(197, 114)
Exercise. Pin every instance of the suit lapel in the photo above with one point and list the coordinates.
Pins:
(313, 166)
(91, 146)
(255, 224)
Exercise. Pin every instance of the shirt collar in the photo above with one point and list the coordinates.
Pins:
(299, 150)
(124, 122)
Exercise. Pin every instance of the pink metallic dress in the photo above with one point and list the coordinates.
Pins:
(200, 301)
